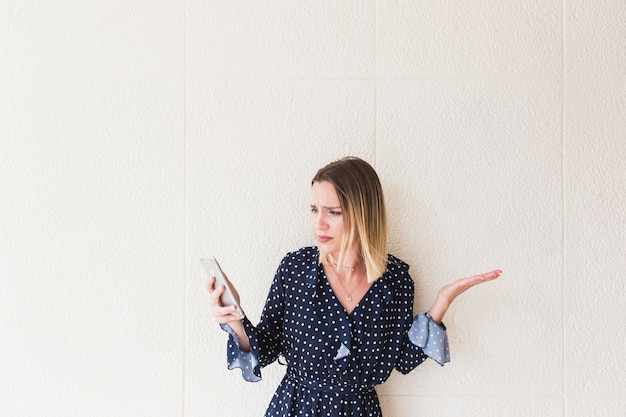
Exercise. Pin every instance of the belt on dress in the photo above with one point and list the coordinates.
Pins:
(293, 376)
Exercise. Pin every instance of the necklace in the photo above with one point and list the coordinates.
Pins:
(336, 265)
(349, 296)
(345, 268)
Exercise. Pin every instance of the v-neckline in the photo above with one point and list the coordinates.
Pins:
(332, 290)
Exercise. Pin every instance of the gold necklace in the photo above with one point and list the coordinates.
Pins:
(336, 265)
(349, 294)
(345, 268)
(349, 297)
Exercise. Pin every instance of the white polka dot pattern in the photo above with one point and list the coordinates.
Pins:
(334, 359)
(431, 337)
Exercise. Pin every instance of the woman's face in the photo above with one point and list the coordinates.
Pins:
(326, 217)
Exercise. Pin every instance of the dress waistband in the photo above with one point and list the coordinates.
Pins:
(293, 376)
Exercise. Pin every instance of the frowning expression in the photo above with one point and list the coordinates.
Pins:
(326, 217)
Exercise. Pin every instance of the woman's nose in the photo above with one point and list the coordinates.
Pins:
(320, 222)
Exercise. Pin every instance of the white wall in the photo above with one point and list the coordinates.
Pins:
(136, 137)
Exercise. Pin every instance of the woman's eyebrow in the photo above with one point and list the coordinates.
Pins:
(327, 207)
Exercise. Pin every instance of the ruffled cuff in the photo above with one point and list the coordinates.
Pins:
(431, 337)
(248, 362)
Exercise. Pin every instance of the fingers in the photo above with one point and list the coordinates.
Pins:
(484, 277)
(449, 292)
(221, 314)
(491, 275)
(215, 293)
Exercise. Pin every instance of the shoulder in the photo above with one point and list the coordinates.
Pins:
(396, 285)
(305, 255)
(301, 261)
(299, 267)
(396, 265)
(397, 272)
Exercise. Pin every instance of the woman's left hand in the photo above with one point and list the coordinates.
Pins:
(448, 293)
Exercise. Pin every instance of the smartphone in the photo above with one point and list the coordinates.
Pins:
(213, 269)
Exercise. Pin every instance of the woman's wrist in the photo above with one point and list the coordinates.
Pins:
(244, 342)
(438, 309)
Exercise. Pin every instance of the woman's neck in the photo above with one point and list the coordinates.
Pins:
(347, 264)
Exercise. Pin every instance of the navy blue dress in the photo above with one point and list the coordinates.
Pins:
(335, 359)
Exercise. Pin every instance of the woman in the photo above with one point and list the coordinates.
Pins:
(340, 313)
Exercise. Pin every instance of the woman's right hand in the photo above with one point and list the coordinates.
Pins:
(221, 314)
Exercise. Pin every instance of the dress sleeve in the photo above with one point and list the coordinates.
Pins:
(265, 338)
(248, 362)
(431, 337)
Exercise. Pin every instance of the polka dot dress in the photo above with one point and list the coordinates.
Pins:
(335, 359)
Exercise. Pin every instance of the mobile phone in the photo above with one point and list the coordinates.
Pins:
(213, 269)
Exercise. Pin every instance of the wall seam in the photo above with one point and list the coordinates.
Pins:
(376, 75)
(185, 213)
(563, 207)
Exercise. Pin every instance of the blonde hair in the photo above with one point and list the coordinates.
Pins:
(363, 210)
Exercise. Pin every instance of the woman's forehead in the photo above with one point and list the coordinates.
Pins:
(323, 193)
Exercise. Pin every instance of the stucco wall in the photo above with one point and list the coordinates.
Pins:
(137, 137)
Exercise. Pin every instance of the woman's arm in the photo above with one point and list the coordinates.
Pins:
(448, 293)
(222, 314)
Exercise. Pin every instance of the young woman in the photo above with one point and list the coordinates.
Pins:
(340, 314)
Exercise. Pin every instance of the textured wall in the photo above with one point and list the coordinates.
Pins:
(136, 137)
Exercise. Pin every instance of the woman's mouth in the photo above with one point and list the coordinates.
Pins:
(323, 239)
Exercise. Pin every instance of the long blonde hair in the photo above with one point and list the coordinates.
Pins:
(363, 209)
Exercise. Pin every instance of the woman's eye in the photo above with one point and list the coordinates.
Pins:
(334, 213)
(313, 210)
